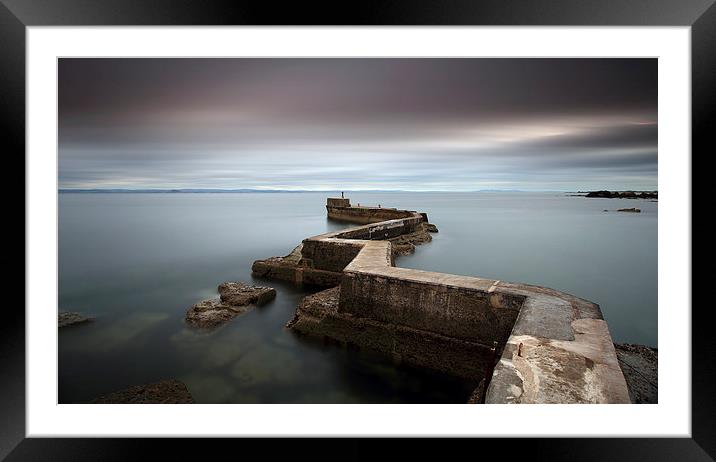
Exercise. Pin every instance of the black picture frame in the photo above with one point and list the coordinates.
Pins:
(700, 15)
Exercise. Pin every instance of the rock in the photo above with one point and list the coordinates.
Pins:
(639, 364)
(605, 194)
(405, 243)
(432, 228)
(235, 299)
(605, 210)
(69, 318)
(631, 210)
(211, 313)
(624, 194)
(403, 248)
(240, 294)
(170, 391)
(319, 304)
(478, 394)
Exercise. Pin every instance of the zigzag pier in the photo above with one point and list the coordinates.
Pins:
(517, 343)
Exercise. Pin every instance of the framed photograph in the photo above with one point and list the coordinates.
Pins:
(472, 221)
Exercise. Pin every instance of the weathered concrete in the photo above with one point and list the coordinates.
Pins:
(552, 347)
(340, 209)
(338, 202)
(537, 369)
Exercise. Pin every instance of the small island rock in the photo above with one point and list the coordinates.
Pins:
(631, 210)
(624, 194)
(69, 318)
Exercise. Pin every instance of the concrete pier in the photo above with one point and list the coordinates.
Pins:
(528, 344)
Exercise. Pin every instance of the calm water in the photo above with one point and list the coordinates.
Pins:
(138, 261)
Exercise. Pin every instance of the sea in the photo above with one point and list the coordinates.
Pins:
(136, 262)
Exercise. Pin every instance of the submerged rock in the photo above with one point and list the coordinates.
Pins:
(639, 364)
(212, 313)
(631, 210)
(69, 318)
(170, 391)
(235, 298)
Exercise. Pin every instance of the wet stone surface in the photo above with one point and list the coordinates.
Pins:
(236, 298)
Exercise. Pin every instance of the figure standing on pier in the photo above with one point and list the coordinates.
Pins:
(342, 195)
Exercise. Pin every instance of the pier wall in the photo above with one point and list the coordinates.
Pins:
(343, 211)
(452, 306)
(529, 344)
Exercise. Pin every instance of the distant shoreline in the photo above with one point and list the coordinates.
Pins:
(283, 191)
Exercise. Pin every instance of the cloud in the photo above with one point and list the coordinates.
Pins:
(456, 124)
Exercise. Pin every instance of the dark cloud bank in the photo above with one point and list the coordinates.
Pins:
(414, 124)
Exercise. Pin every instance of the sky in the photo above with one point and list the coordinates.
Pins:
(436, 124)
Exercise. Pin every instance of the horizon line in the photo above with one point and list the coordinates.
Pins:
(277, 190)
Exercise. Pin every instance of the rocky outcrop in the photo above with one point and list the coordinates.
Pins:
(405, 243)
(624, 194)
(165, 392)
(630, 210)
(432, 228)
(236, 298)
(639, 364)
(69, 318)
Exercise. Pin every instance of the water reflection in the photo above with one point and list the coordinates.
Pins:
(124, 333)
